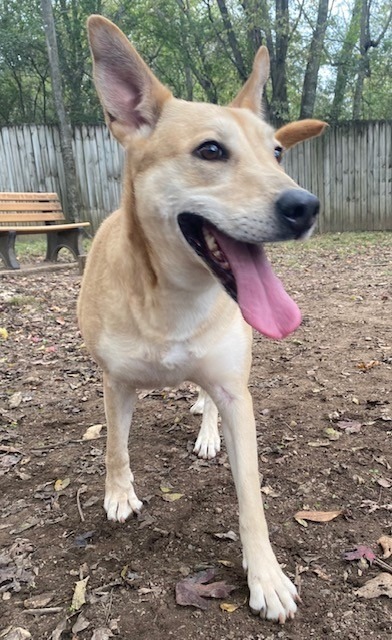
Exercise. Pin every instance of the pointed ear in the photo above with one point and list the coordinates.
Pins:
(251, 93)
(295, 132)
(132, 97)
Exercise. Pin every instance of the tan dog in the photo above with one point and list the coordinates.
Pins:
(203, 191)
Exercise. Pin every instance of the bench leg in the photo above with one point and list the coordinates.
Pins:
(7, 250)
(68, 238)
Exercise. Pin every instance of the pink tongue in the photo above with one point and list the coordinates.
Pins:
(263, 301)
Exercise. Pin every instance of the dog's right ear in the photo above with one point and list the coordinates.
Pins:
(132, 97)
(250, 96)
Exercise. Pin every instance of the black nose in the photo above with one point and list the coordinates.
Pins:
(298, 209)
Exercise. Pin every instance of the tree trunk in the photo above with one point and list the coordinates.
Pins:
(279, 103)
(238, 59)
(345, 62)
(64, 125)
(314, 58)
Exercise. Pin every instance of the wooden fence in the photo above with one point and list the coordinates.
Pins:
(349, 168)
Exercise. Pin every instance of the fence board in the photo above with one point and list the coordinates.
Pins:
(349, 168)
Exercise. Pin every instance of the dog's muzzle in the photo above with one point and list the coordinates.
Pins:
(297, 209)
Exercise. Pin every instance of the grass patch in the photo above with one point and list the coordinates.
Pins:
(28, 248)
(22, 301)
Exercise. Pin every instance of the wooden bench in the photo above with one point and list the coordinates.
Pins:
(19, 210)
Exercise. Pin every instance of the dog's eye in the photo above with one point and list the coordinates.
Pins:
(211, 150)
(278, 152)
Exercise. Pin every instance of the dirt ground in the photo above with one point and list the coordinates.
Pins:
(323, 403)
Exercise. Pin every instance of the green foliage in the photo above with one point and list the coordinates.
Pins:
(198, 50)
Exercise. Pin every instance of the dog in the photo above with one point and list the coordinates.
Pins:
(177, 277)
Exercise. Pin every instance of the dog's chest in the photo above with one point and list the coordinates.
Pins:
(147, 365)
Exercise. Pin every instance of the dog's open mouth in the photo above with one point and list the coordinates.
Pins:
(245, 272)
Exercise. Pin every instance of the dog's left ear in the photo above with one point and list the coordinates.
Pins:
(132, 97)
(250, 95)
(290, 134)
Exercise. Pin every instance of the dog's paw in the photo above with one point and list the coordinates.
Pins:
(272, 595)
(198, 407)
(120, 502)
(208, 443)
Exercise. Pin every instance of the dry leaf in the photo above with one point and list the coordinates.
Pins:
(230, 535)
(269, 491)
(383, 482)
(381, 585)
(318, 516)
(15, 633)
(37, 602)
(319, 443)
(386, 544)
(359, 552)
(332, 434)
(59, 485)
(102, 633)
(15, 400)
(350, 426)
(93, 432)
(172, 497)
(226, 563)
(192, 590)
(165, 489)
(3, 333)
(79, 595)
(228, 607)
(81, 624)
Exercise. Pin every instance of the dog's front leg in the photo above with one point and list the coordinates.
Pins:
(208, 441)
(272, 594)
(120, 497)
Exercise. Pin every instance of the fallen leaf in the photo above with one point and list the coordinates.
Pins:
(332, 434)
(83, 539)
(3, 333)
(172, 497)
(318, 516)
(15, 633)
(319, 443)
(381, 585)
(165, 489)
(15, 400)
(384, 482)
(230, 535)
(81, 624)
(359, 552)
(228, 607)
(269, 491)
(59, 485)
(192, 590)
(226, 563)
(93, 432)
(102, 633)
(79, 595)
(37, 602)
(58, 631)
(386, 544)
(365, 366)
(350, 426)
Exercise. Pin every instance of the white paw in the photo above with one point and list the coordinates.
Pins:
(208, 443)
(121, 501)
(272, 595)
(198, 407)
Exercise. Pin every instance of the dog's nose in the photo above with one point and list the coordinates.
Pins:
(298, 208)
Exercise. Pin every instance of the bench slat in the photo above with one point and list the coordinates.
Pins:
(44, 228)
(31, 217)
(27, 206)
(45, 197)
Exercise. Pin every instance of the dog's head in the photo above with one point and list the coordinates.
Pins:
(207, 177)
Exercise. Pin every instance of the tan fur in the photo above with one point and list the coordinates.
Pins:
(150, 310)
